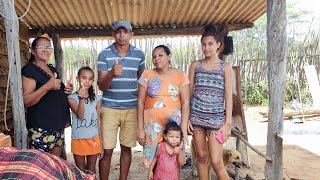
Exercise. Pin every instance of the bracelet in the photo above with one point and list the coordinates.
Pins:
(80, 98)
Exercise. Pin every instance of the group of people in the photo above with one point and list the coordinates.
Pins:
(157, 107)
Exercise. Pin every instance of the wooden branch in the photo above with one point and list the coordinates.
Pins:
(58, 54)
(138, 32)
(12, 36)
(289, 115)
(236, 169)
(238, 135)
(238, 117)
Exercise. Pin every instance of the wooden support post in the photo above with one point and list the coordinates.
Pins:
(11, 24)
(237, 176)
(58, 58)
(277, 52)
(58, 54)
(238, 118)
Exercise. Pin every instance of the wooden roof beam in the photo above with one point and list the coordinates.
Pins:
(141, 32)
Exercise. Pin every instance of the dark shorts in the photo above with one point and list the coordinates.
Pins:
(208, 131)
(46, 139)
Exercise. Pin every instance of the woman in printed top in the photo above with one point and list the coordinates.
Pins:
(86, 142)
(45, 98)
(211, 102)
(163, 95)
(169, 156)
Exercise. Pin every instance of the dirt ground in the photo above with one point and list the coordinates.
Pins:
(298, 163)
(301, 151)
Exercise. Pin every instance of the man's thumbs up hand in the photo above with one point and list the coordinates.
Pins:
(117, 68)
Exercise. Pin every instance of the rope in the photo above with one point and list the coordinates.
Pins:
(11, 60)
(25, 13)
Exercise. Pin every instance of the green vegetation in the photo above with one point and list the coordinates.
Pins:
(258, 93)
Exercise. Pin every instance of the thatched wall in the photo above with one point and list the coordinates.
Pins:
(4, 70)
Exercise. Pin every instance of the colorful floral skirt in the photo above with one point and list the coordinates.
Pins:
(155, 121)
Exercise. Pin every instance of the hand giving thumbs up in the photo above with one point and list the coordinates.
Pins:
(69, 88)
(54, 83)
(83, 92)
(117, 68)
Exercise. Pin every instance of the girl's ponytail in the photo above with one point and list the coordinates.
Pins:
(91, 93)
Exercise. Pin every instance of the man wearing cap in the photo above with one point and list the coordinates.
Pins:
(119, 67)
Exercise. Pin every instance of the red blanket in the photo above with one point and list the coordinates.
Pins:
(36, 164)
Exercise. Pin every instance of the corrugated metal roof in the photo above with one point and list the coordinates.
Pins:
(100, 14)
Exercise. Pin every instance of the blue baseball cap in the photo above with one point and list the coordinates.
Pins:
(122, 23)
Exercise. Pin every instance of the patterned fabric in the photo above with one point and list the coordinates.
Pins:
(36, 164)
(207, 101)
(122, 93)
(46, 139)
(162, 105)
(167, 165)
